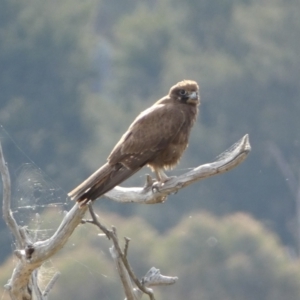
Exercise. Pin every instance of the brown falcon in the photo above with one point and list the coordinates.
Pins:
(157, 138)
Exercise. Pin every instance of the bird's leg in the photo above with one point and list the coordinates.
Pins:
(162, 178)
(161, 175)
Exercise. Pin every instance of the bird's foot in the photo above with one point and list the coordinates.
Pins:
(156, 185)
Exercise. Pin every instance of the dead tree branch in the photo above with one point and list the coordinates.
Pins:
(6, 211)
(32, 254)
(126, 274)
(228, 160)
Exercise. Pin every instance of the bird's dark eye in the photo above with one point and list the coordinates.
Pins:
(182, 92)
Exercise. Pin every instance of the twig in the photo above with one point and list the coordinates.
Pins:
(129, 290)
(111, 234)
(50, 285)
(34, 283)
(152, 278)
(6, 211)
(127, 240)
(95, 221)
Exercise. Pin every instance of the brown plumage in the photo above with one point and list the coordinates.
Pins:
(157, 138)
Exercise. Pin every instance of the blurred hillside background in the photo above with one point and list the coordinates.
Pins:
(74, 74)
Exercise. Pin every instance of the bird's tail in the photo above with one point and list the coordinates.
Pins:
(100, 182)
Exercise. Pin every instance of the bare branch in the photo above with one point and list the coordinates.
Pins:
(154, 278)
(229, 160)
(111, 234)
(50, 285)
(128, 288)
(116, 255)
(34, 283)
(95, 221)
(32, 254)
(127, 240)
(6, 205)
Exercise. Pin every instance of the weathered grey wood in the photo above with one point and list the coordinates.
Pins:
(6, 204)
(232, 158)
(32, 254)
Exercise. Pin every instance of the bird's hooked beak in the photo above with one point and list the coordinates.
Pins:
(193, 98)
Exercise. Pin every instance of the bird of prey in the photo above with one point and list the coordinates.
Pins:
(157, 138)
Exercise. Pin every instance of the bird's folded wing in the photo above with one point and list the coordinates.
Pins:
(151, 132)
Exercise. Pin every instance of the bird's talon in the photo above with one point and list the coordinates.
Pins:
(156, 185)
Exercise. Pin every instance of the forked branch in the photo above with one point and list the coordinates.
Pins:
(31, 255)
(126, 274)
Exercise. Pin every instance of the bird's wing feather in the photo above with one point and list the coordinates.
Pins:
(151, 132)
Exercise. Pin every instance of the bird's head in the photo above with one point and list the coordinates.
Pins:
(186, 91)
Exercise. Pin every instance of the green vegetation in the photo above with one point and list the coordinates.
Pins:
(74, 74)
(228, 258)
